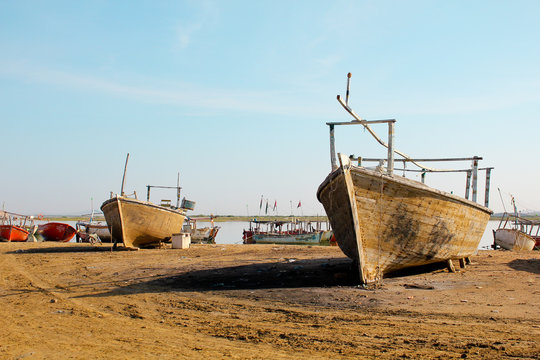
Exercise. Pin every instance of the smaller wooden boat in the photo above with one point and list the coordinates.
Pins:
(55, 231)
(516, 233)
(139, 224)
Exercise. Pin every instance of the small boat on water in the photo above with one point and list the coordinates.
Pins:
(386, 222)
(516, 233)
(55, 231)
(291, 232)
(138, 223)
(15, 227)
(201, 235)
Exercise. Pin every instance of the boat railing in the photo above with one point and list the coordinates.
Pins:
(513, 221)
(9, 218)
(472, 172)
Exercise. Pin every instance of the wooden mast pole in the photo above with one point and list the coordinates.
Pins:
(124, 177)
(178, 191)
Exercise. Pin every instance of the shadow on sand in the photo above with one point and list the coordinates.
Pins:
(282, 275)
(529, 265)
(63, 249)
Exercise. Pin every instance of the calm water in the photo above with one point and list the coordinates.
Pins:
(231, 232)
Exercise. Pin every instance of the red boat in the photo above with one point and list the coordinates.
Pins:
(54, 231)
(13, 233)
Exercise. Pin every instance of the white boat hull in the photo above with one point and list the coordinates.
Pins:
(512, 239)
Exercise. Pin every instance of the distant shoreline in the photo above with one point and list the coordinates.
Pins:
(217, 218)
(227, 218)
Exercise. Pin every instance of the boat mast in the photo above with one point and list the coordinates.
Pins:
(178, 191)
(124, 177)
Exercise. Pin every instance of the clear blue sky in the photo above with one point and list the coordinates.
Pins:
(235, 95)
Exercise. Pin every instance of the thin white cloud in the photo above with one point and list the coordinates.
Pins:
(184, 34)
(187, 95)
(186, 30)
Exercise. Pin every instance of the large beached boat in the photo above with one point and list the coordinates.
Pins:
(138, 223)
(386, 222)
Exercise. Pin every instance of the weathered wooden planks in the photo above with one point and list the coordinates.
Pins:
(137, 223)
(388, 222)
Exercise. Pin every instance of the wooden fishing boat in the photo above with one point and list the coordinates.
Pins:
(138, 223)
(13, 233)
(386, 222)
(55, 231)
(516, 233)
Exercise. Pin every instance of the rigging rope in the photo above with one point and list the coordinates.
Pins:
(380, 141)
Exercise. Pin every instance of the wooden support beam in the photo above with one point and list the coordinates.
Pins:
(488, 181)
(390, 163)
(450, 266)
(462, 263)
(332, 148)
(468, 184)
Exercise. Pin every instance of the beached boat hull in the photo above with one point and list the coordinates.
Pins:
(140, 224)
(513, 239)
(386, 223)
(13, 233)
(54, 231)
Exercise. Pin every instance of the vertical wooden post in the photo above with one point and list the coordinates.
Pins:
(124, 177)
(475, 179)
(423, 176)
(488, 181)
(178, 191)
(450, 266)
(468, 184)
(332, 148)
(148, 193)
(390, 165)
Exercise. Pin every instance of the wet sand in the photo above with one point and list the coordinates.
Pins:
(80, 301)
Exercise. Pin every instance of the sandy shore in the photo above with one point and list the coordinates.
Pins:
(258, 302)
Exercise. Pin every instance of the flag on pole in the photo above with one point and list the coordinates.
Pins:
(260, 205)
(299, 204)
(266, 206)
(275, 205)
